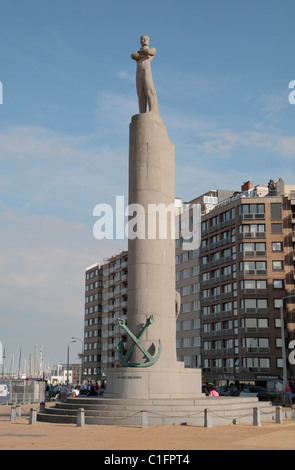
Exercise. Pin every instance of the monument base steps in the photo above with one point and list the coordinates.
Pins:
(118, 412)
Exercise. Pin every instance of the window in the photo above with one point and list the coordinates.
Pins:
(216, 345)
(254, 285)
(278, 303)
(253, 267)
(216, 326)
(254, 323)
(186, 342)
(185, 290)
(196, 270)
(206, 310)
(252, 343)
(233, 234)
(207, 327)
(253, 208)
(276, 211)
(187, 361)
(186, 308)
(254, 304)
(227, 307)
(184, 274)
(204, 225)
(278, 284)
(252, 248)
(226, 288)
(196, 288)
(196, 323)
(186, 325)
(185, 256)
(216, 308)
(215, 274)
(256, 363)
(217, 363)
(278, 342)
(196, 305)
(225, 216)
(216, 290)
(278, 265)
(253, 228)
(277, 246)
(276, 228)
(225, 235)
(214, 221)
(197, 342)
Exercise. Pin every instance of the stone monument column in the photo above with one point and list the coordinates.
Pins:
(149, 364)
(151, 261)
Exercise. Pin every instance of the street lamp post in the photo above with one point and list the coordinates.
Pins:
(68, 360)
(284, 356)
(82, 355)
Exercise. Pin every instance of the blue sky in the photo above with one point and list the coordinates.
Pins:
(221, 73)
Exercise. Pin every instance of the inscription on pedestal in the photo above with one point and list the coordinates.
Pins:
(129, 377)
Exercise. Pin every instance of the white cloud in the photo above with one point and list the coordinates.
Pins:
(124, 75)
(42, 266)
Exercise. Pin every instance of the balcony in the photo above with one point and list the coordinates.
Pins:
(253, 291)
(253, 272)
(249, 350)
(254, 330)
(256, 369)
(253, 254)
(256, 311)
(252, 235)
(252, 217)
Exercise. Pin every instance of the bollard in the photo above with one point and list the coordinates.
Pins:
(207, 418)
(81, 418)
(42, 406)
(279, 419)
(256, 417)
(33, 416)
(13, 413)
(293, 413)
(144, 419)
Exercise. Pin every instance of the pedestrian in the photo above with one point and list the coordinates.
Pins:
(213, 392)
(279, 392)
(288, 395)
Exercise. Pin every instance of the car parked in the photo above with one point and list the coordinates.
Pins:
(260, 392)
(228, 391)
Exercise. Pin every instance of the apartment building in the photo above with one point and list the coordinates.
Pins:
(105, 302)
(188, 284)
(233, 287)
(92, 364)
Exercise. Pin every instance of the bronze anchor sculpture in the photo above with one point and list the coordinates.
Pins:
(124, 359)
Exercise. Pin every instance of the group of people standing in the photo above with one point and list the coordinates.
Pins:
(60, 391)
(284, 394)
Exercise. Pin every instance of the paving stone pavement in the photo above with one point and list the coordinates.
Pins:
(20, 435)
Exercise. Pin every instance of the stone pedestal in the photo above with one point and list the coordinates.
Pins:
(153, 383)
